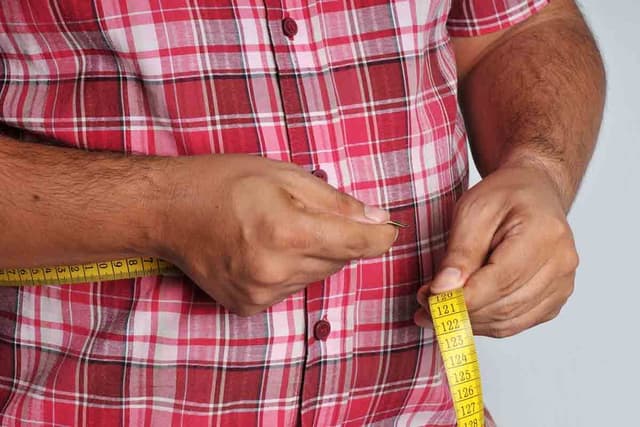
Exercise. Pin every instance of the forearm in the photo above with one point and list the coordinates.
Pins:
(537, 99)
(62, 205)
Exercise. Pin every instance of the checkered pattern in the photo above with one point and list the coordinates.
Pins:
(365, 91)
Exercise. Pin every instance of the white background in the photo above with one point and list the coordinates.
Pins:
(582, 368)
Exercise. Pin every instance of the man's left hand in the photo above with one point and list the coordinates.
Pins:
(513, 251)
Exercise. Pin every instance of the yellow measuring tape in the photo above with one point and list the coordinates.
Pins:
(448, 310)
(457, 347)
(126, 268)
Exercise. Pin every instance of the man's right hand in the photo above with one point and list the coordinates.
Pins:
(252, 231)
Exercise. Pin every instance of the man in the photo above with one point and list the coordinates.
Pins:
(298, 302)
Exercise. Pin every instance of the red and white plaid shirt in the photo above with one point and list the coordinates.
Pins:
(361, 92)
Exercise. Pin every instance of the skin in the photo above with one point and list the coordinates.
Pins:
(253, 239)
(533, 98)
(249, 231)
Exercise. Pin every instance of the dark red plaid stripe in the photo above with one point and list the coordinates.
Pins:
(365, 91)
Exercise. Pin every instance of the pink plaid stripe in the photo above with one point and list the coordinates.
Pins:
(365, 91)
(477, 17)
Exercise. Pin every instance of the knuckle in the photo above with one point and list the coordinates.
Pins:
(563, 295)
(237, 270)
(504, 288)
(570, 289)
(571, 259)
(505, 330)
(565, 252)
(560, 228)
(509, 332)
(521, 194)
(495, 332)
(507, 282)
(266, 272)
(285, 235)
(505, 310)
(472, 205)
(334, 268)
(241, 311)
(246, 310)
(260, 299)
(248, 234)
(278, 235)
(346, 205)
(552, 315)
(358, 247)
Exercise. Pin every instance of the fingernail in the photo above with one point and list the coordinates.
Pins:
(397, 234)
(448, 279)
(376, 214)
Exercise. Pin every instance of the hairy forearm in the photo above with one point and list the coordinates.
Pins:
(62, 205)
(536, 98)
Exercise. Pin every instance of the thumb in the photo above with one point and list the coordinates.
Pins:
(469, 243)
(322, 197)
(447, 279)
(352, 208)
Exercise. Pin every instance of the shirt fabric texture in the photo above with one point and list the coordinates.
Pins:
(362, 91)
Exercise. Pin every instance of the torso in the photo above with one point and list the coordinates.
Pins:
(367, 94)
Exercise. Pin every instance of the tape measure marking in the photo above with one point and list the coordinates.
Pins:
(448, 310)
(126, 268)
(457, 348)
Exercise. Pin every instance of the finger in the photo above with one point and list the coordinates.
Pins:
(542, 286)
(338, 238)
(511, 265)
(311, 269)
(475, 222)
(319, 196)
(423, 295)
(422, 318)
(547, 310)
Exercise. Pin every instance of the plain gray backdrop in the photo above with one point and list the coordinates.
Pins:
(581, 369)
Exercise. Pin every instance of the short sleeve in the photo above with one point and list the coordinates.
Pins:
(469, 18)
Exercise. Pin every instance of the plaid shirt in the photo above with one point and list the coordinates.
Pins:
(363, 94)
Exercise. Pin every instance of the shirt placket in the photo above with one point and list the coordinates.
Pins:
(290, 30)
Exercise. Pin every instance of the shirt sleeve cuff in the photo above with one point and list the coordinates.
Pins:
(465, 23)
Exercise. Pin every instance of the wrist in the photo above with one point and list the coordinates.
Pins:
(160, 202)
(180, 188)
(551, 171)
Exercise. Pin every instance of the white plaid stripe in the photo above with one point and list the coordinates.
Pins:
(367, 93)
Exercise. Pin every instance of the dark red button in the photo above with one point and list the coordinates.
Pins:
(319, 173)
(321, 330)
(289, 27)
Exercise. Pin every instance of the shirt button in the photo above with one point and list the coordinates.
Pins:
(321, 330)
(319, 173)
(289, 27)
